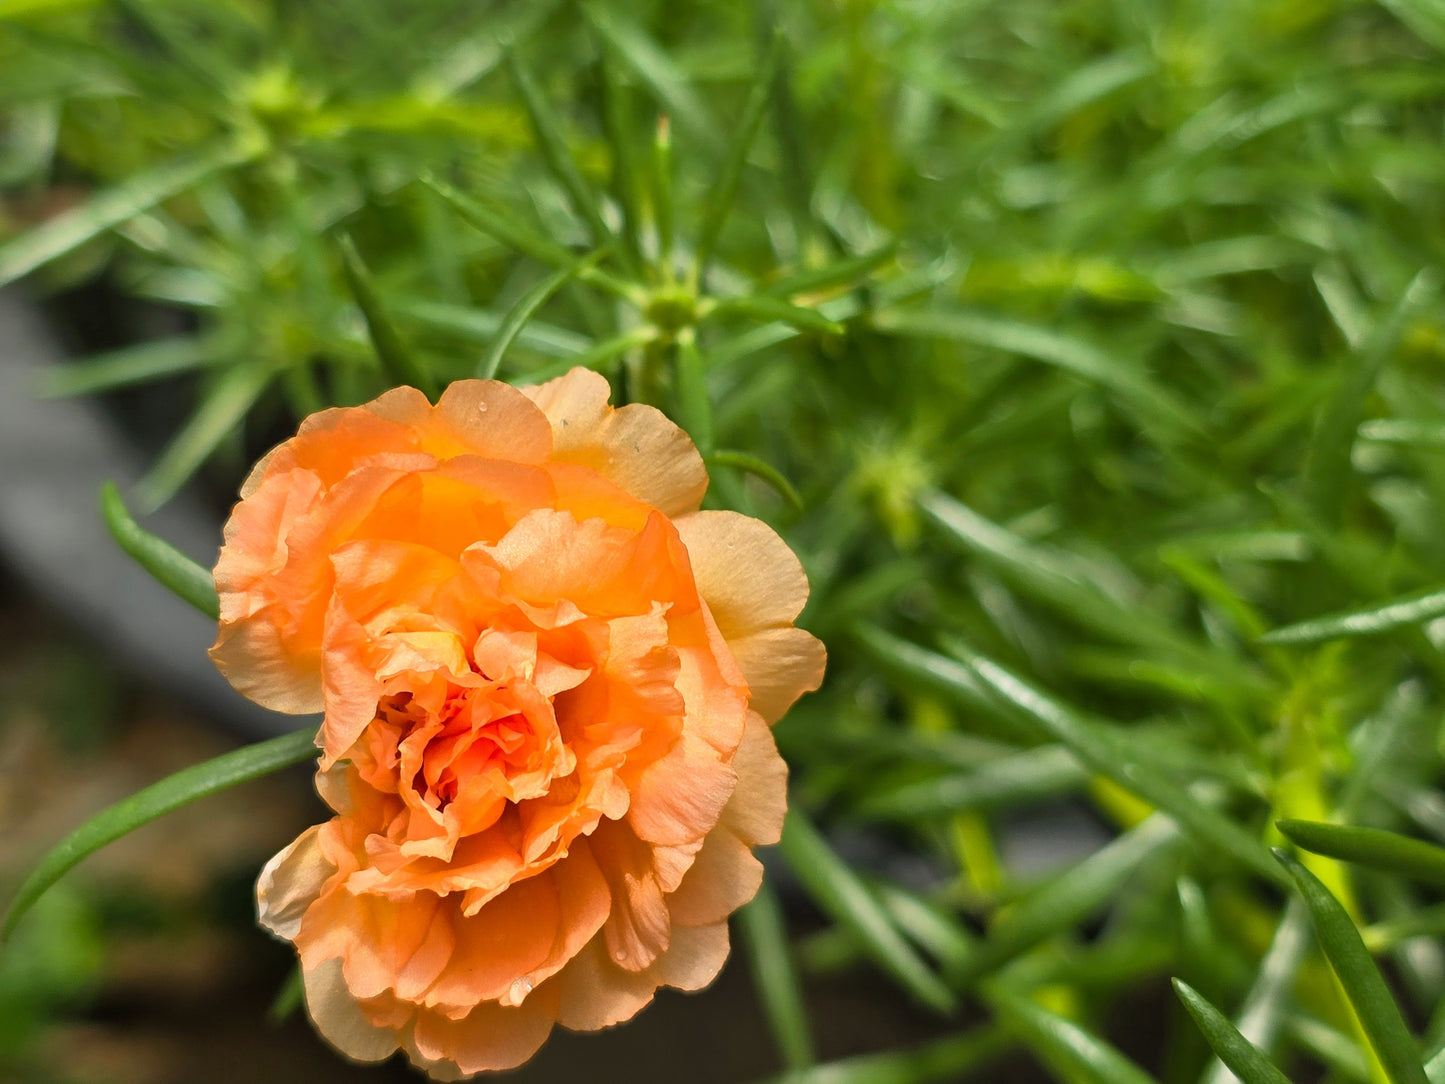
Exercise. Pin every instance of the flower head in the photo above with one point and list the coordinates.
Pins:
(547, 681)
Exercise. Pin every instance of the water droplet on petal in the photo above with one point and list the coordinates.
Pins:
(517, 993)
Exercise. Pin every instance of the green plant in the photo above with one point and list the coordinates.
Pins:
(1091, 361)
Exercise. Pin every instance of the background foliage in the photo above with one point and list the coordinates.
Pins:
(1090, 355)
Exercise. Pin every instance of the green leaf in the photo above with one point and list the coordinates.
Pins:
(1375, 848)
(1084, 1055)
(223, 408)
(501, 225)
(139, 192)
(763, 307)
(832, 275)
(1055, 577)
(1047, 771)
(751, 464)
(552, 143)
(1327, 461)
(1374, 620)
(481, 326)
(1069, 354)
(939, 1062)
(401, 365)
(1244, 1059)
(290, 997)
(656, 69)
(171, 568)
(770, 958)
(525, 308)
(626, 175)
(693, 401)
(841, 894)
(138, 364)
(1266, 1005)
(724, 190)
(1109, 756)
(154, 801)
(1068, 899)
(1410, 432)
(1363, 984)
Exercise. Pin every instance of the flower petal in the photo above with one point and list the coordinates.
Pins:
(490, 1038)
(340, 1018)
(723, 877)
(758, 805)
(780, 666)
(748, 576)
(290, 883)
(637, 447)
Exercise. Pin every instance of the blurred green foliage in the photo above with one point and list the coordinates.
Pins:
(1075, 346)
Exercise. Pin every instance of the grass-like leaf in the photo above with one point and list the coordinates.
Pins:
(938, 1062)
(224, 407)
(751, 464)
(552, 144)
(763, 307)
(129, 365)
(1030, 776)
(154, 801)
(1375, 848)
(724, 190)
(1361, 979)
(1065, 901)
(396, 357)
(657, 71)
(839, 892)
(1102, 753)
(1413, 609)
(1266, 1005)
(171, 568)
(1244, 1059)
(693, 401)
(1084, 1055)
(525, 308)
(139, 192)
(1070, 354)
(765, 936)
(1327, 461)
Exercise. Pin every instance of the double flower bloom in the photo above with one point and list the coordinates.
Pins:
(547, 680)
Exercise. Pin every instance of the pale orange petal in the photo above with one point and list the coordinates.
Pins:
(596, 993)
(636, 447)
(488, 1039)
(748, 576)
(679, 797)
(694, 958)
(341, 1020)
(723, 877)
(495, 420)
(780, 665)
(638, 928)
(500, 944)
(755, 813)
(290, 883)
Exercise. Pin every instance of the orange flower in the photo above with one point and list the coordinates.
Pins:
(547, 679)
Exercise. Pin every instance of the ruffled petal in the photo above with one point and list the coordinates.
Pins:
(341, 1020)
(748, 576)
(780, 666)
(755, 813)
(290, 883)
(636, 447)
(723, 877)
(490, 1038)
